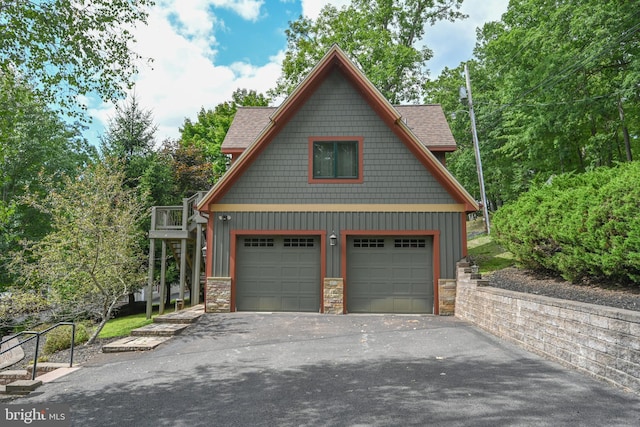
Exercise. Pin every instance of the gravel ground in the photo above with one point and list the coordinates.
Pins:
(81, 353)
(526, 281)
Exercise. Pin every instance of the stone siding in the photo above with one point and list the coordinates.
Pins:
(218, 295)
(601, 341)
(446, 297)
(333, 295)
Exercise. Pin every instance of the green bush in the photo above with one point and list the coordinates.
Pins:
(60, 338)
(584, 226)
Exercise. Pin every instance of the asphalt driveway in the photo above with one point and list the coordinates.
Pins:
(254, 369)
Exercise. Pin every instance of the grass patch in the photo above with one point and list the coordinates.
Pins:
(488, 255)
(475, 226)
(122, 326)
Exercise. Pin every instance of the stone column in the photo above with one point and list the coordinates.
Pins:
(333, 295)
(218, 295)
(446, 297)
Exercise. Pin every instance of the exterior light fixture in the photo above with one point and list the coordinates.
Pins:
(333, 239)
(224, 217)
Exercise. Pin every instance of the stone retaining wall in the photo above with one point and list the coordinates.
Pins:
(601, 341)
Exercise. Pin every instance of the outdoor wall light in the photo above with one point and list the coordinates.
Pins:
(224, 217)
(333, 239)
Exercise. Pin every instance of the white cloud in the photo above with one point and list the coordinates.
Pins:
(453, 42)
(183, 76)
(247, 9)
(311, 8)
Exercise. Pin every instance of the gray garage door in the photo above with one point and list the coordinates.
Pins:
(278, 273)
(390, 274)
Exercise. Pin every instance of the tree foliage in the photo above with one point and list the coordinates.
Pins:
(208, 131)
(555, 88)
(382, 37)
(91, 258)
(190, 169)
(130, 138)
(66, 48)
(34, 142)
(581, 226)
(130, 133)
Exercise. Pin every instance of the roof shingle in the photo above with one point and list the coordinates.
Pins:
(427, 122)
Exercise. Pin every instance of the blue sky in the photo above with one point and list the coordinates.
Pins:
(203, 50)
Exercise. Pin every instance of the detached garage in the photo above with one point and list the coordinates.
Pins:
(335, 202)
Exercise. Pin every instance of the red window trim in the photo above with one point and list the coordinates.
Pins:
(358, 180)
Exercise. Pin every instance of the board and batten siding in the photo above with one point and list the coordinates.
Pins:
(447, 223)
(392, 174)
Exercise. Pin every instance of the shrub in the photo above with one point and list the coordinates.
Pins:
(579, 226)
(60, 338)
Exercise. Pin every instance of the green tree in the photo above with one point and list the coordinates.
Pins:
(190, 170)
(66, 48)
(33, 142)
(208, 131)
(500, 174)
(130, 133)
(382, 37)
(91, 259)
(157, 181)
(555, 91)
(130, 137)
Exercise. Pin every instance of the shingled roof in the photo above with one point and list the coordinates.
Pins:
(260, 126)
(427, 122)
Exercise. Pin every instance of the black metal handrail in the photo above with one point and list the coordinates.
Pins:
(36, 336)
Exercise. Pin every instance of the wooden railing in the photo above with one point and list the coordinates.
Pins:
(175, 217)
(168, 217)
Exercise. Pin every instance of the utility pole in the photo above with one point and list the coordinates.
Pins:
(476, 147)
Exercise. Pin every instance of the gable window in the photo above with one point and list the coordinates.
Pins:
(335, 160)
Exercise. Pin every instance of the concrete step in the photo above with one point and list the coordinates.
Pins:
(186, 316)
(58, 373)
(22, 387)
(159, 330)
(10, 376)
(44, 367)
(134, 344)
